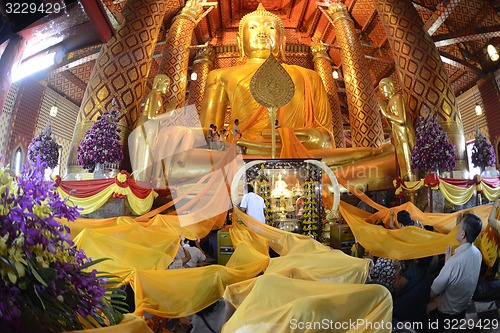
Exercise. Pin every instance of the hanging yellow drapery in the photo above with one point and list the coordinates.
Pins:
(90, 195)
(457, 195)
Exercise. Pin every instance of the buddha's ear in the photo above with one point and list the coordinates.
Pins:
(240, 47)
(283, 48)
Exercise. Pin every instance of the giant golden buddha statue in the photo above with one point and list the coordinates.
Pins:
(308, 113)
(307, 117)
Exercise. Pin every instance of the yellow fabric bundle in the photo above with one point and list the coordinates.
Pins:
(408, 242)
(279, 304)
(179, 293)
(126, 256)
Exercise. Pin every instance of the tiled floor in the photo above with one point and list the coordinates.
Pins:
(486, 316)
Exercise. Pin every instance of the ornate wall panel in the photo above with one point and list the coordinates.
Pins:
(362, 11)
(63, 123)
(6, 117)
(60, 83)
(24, 118)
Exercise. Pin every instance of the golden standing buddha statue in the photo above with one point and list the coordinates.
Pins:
(402, 128)
(153, 104)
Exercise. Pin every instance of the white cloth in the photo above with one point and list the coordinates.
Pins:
(458, 279)
(254, 205)
(196, 257)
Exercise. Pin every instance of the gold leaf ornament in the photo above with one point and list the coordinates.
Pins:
(271, 86)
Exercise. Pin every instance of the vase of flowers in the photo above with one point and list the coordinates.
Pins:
(45, 282)
(483, 153)
(101, 143)
(432, 151)
(44, 147)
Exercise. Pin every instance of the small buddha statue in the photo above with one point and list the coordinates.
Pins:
(280, 188)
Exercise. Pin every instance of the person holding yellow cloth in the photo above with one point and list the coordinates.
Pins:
(488, 287)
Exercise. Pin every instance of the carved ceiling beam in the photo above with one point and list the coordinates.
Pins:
(77, 62)
(301, 17)
(327, 31)
(481, 33)
(442, 12)
(314, 23)
(459, 63)
(292, 4)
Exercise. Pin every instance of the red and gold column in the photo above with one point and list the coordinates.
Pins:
(202, 64)
(364, 116)
(121, 71)
(175, 57)
(323, 66)
(421, 71)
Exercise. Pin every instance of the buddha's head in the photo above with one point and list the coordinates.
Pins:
(386, 86)
(260, 32)
(161, 83)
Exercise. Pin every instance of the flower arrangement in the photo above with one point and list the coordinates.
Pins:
(45, 147)
(45, 285)
(101, 143)
(483, 153)
(432, 150)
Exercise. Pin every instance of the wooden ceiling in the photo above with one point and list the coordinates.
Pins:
(461, 29)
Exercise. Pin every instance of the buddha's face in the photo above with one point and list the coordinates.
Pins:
(161, 83)
(387, 88)
(260, 36)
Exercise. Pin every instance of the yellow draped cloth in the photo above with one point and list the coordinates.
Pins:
(279, 304)
(140, 253)
(307, 284)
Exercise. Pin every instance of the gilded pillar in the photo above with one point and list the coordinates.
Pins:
(364, 116)
(323, 66)
(121, 71)
(421, 71)
(202, 64)
(175, 57)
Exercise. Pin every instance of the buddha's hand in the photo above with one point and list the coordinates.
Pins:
(311, 138)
